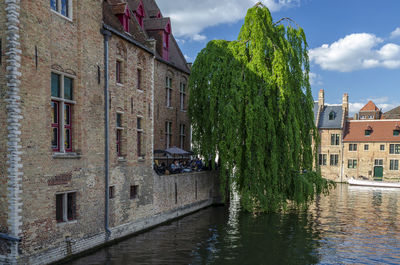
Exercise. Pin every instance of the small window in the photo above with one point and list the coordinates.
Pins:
(396, 132)
(168, 92)
(111, 192)
(134, 192)
(119, 131)
(65, 207)
(394, 165)
(352, 147)
(168, 134)
(119, 120)
(332, 115)
(352, 163)
(334, 160)
(368, 132)
(118, 72)
(378, 162)
(322, 159)
(140, 138)
(139, 79)
(62, 7)
(366, 147)
(382, 147)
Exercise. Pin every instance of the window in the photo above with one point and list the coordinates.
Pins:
(134, 192)
(119, 131)
(332, 115)
(182, 136)
(168, 82)
(140, 140)
(139, 13)
(378, 162)
(396, 132)
(66, 207)
(352, 163)
(352, 147)
(118, 72)
(322, 159)
(61, 112)
(394, 149)
(182, 95)
(111, 192)
(334, 159)
(366, 147)
(394, 165)
(62, 7)
(382, 147)
(168, 134)
(139, 79)
(368, 132)
(335, 139)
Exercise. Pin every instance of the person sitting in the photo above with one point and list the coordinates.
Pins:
(175, 167)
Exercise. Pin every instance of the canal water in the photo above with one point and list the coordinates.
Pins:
(352, 225)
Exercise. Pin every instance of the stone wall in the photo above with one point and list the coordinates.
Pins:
(194, 191)
(328, 171)
(173, 114)
(366, 161)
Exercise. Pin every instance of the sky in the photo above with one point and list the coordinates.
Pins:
(354, 45)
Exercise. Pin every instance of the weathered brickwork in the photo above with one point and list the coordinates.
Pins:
(73, 47)
(173, 114)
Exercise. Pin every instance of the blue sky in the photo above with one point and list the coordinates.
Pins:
(354, 44)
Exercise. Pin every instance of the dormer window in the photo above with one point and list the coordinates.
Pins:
(368, 130)
(167, 32)
(124, 19)
(140, 14)
(396, 132)
(332, 115)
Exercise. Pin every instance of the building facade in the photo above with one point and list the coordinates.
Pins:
(366, 147)
(78, 82)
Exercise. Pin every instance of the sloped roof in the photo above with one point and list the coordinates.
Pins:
(155, 23)
(370, 106)
(382, 131)
(325, 122)
(392, 114)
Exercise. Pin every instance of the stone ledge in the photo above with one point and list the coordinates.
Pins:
(66, 156)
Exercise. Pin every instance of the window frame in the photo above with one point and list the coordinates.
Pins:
(58, 8)
(168, 93)
(366, 147)
(352, 147)
(140, 140)
(394, 164)
(322, 160)
(134, 192)
(119, 128)
(182, 136)
(334, 161)
(352, 164)
(335, 139)
(182, 95)
(382, 147)
(62, 102)
(139, 79)
(65, 207)
(118, 72)
(394, 149)
(168, 134)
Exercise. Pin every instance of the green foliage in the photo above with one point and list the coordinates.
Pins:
(251, 103)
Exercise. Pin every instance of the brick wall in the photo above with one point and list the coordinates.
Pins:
(328, 171)
(3, 127)
(366, 161)
(162, 113)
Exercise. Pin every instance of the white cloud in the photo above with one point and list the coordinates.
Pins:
(355, 108)
(383, 103)
(187, 58)
(395, 33)
(191, 17)
(356, 51)
(315, 79)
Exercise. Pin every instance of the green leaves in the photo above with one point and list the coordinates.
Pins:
(250, 103)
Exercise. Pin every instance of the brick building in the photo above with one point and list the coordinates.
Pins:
(80, 83)
(365, 147)
(171, 95)
(330, 121)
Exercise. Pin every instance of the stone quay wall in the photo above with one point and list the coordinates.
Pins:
(174, 196)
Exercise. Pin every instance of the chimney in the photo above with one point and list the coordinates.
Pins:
(345, 102)
(321, 99)
(356, 116)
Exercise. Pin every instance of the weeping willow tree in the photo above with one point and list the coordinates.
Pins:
(251, 104)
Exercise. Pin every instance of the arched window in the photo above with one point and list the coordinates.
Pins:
(332, 115)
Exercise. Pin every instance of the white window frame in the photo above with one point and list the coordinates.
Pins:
(168, 86)
(392, 165)
(58, 12)
(65, 206)
(182, 135)
(168, 134)
(61, 104)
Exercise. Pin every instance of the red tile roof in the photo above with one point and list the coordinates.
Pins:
(370, 106)
(382, 131)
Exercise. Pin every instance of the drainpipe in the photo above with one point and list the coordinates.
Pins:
(107, 35)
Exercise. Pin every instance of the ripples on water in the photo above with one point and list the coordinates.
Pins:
(353, 225)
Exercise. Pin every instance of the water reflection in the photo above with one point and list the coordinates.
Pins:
(351, 225)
